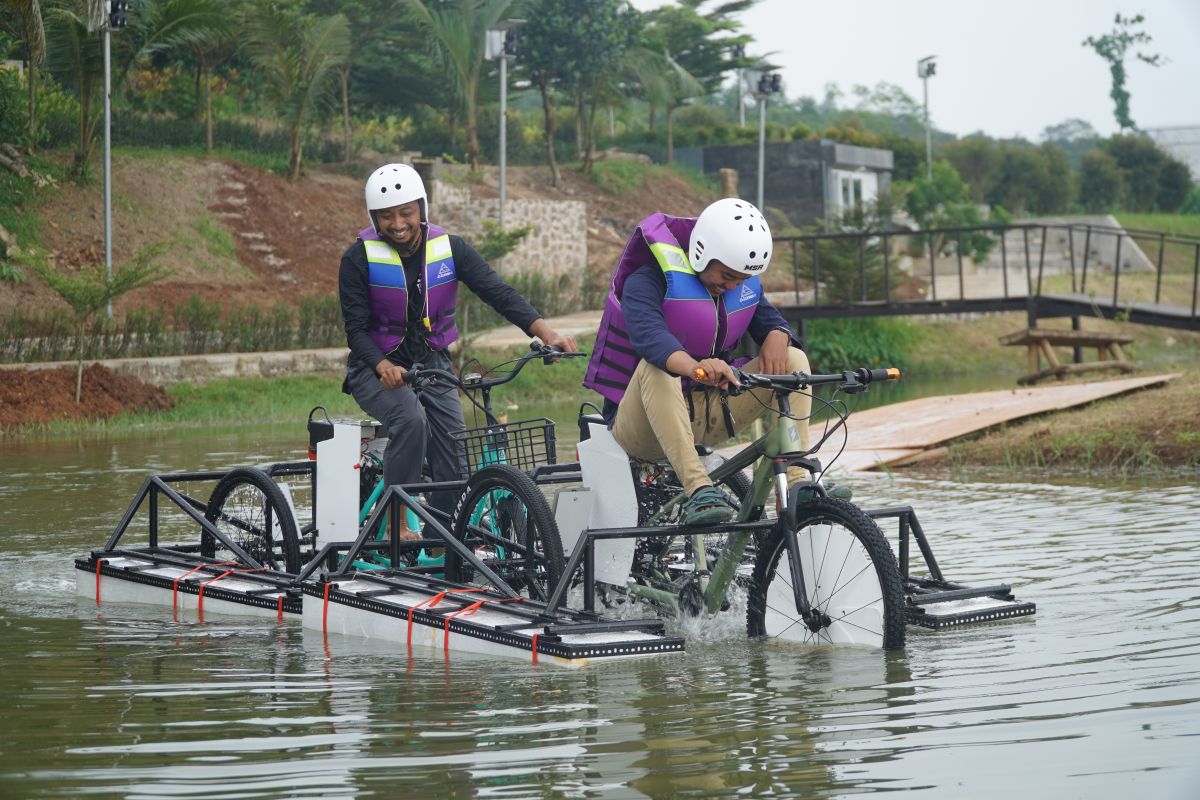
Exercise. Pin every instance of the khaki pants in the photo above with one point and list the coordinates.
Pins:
(652, 419)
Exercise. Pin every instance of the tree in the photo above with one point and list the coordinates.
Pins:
(976, 158)
(698, 48)
(298, 54)
(1174, 184)
(1112, 47)
(91, 290)
(76, 57)
(1100, 181)
(551, 46)
(75, 54)
(370, 21)
(31, 30)
(944, 201)
(460, 28)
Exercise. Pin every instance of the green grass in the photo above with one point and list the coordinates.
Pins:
(619, 176)
(217, 243)
(1171, 224)
(19, 199)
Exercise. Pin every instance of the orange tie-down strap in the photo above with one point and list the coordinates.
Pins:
(225, 574)
(465, 611)
(175, 583)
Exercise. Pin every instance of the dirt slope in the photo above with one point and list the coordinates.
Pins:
(243, 235)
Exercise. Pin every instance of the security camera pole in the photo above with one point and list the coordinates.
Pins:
(502, 44)
(927, 68)
(739, 52)
(103, 16)
(768, 82)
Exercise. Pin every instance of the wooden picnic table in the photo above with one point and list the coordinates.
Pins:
(1042, 341)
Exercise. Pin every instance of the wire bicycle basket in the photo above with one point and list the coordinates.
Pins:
(525, 444)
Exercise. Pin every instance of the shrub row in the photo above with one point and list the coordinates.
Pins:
(195, 326)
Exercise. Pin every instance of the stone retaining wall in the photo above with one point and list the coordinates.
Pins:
(557, 244)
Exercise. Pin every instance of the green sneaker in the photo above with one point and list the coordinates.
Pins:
(707, 506)
(838, 490)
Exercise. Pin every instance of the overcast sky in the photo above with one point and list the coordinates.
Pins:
(1008, 68)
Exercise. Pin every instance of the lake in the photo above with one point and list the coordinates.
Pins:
(1097, 696)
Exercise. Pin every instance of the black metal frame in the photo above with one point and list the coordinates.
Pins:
(936, 589)
(1035, 303)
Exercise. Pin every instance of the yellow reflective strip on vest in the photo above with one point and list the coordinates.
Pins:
(438, 248)
(671, 258)
(381, 252)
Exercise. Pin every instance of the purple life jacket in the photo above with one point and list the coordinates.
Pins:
(389, 290)
(704, 325)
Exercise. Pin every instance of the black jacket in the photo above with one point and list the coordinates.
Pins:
(472, 271)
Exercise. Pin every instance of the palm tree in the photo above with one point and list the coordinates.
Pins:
(298, 55)
(75, 55)
(664, 83)
(32, 32)
(460, 29)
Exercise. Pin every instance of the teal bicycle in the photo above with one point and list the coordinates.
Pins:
(501, 513)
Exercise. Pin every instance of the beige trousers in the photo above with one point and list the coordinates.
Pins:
(652, 419)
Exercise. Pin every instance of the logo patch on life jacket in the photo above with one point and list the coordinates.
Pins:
(444, 271)
(747, 293)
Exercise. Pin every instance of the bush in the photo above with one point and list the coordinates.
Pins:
(836, 344)
(618, 175)
(192, 327)
(13, 108)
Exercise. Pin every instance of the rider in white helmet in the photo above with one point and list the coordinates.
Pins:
(683, 295)
(398, 285)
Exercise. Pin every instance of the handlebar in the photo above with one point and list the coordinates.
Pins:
(852, 381)
(418, 376)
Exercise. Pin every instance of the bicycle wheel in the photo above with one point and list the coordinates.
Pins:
(503, 517)
(250, 509)
(850, 576)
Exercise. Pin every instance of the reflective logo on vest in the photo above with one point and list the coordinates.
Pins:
(444, 271)
(747, 293)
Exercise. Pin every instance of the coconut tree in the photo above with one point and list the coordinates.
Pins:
(31, 30)
(298, 55)
(459, 27)
(74, 53)
(664, 83)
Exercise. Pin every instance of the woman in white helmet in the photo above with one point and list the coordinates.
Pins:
(398, 286)
(682, 296)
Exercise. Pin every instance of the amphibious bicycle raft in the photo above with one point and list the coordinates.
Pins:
(291, 540)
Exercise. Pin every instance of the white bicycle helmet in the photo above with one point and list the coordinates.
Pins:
(395, 185)
(733, 232)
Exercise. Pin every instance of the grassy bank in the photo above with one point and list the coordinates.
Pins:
(1152, 429)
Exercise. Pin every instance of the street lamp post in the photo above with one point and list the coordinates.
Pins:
(926, 69)
(104, 16)
(768, 82)
(502, 44)
(739, 52)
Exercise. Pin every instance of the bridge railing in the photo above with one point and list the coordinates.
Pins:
(1108, 266)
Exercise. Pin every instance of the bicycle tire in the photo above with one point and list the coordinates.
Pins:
(506, 503)
(850, 575)
(238, 506)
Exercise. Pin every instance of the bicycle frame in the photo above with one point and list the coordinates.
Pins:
(774, 452)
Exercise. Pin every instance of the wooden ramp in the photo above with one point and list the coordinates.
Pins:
(900, 433)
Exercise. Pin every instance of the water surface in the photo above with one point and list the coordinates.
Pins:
(1098, 696)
